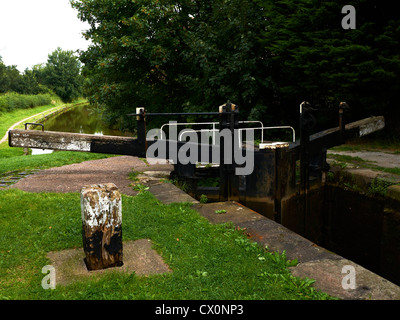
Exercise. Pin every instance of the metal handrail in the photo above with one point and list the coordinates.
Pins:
(242, 129)
(33, 124)
(186, 123)
(203, 130)
(267, 128)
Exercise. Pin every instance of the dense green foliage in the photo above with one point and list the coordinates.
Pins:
(266, 56)
(12, 101)
(173, 55)
(60, 76)
(313, 58)
(11, 80)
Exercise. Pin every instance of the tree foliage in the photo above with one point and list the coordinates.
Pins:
(169, 55)
(62, 74)
(10, 79)
(313, 58)
(266, 56)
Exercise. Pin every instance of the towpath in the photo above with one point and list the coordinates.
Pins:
(39, 115)
(383, 159)
(47, 112)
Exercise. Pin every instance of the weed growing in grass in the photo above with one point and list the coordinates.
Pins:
(379, 187)
(220, 211)
(203, 198)
(133, 175)
(140, 187)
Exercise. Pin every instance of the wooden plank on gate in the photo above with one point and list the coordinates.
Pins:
(75, 142)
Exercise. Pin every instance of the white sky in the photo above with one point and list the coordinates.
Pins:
(32, 29)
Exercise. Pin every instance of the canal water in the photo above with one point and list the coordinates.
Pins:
(80, 119)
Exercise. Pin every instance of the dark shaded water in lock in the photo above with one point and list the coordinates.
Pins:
(357, 226)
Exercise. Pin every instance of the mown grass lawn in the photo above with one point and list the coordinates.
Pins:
(13, 160)
(208, 261)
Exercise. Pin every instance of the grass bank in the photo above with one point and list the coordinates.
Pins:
(8, 119)
(13, 160)
(14, 101)
(208, 261)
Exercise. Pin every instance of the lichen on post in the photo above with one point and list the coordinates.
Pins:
(101, 208)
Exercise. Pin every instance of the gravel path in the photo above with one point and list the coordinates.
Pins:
(71, 178)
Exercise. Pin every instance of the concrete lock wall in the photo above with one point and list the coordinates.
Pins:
(350, 222)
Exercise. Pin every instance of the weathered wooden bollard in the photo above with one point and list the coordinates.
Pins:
(102, 226)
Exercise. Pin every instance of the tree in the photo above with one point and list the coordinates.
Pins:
(169, 55)
(315, 59)
(228, 62)
(14, 78)
(4, 83)
(62, 74)
(31, 83)
(10, 78)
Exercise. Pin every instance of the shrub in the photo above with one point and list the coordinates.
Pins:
(13, 101)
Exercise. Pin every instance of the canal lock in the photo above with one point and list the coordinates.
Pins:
(349, 216)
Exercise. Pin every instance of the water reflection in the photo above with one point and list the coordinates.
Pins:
(41, 151)
(80, 119)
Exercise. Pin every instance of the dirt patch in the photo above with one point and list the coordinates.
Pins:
(138, 257)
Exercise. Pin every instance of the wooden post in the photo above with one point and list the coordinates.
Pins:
(101, 226)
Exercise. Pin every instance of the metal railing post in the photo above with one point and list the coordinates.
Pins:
(141, 130)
